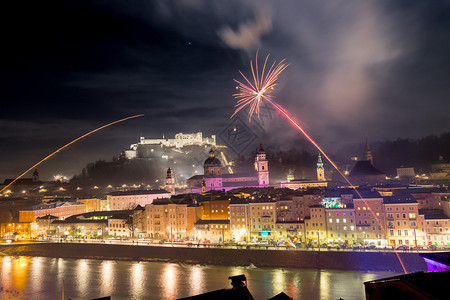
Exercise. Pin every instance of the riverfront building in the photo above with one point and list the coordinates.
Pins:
(316, 226)
(341, 227)
(401, 216)
(124, 200)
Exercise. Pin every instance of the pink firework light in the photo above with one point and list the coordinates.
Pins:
(252, 95)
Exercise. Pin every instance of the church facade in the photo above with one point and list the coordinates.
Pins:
(213, 179)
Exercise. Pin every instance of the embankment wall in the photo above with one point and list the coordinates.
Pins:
(340, 260)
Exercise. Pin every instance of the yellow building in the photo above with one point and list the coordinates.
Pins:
(193, 215)
(92, 204)
(214, 231)
(341, 228)
(293, 231)
(370, 218)
(402, 214)
(315, 225)
(215, 208)
(436, 228)
(239, 219)
(262, 213)
(15, 231)
(166, 219)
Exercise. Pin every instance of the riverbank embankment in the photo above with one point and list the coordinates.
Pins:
(339, 260)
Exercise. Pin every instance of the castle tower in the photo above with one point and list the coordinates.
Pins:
(35, 175)
(170, 184)
(320, 169)
(367, 153)
(262, 167)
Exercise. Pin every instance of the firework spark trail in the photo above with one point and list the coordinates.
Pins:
(253, 94)
(67, 145)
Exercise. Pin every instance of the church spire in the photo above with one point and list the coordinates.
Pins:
(367, 153)
(320, 169)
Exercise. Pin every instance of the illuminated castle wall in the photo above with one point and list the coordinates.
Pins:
(180, 140)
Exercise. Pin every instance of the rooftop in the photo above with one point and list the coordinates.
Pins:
(400, 199)
(138, 192)
(218, 222)
(364, 168)
(433, 214)
(432, 285)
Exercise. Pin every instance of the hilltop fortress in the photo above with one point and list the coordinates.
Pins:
(181, 140)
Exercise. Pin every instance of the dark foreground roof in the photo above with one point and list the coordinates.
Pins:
(238, 292)
(364, 168)
(420, 285)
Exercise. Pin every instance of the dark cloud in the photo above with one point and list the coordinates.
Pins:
(357, 68)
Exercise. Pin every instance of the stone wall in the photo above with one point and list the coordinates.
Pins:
(361, 261)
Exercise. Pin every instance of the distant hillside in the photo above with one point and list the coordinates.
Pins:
(419, 154)
(185, 162)
(388, 155)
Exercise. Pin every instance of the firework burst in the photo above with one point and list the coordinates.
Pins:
(252, 94)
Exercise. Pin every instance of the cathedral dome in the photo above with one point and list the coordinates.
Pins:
(212, 161)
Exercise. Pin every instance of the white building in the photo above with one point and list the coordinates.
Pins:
(405, 172)
(131, 199)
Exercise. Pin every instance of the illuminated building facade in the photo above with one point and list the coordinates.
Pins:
(370, 218)
(290, 231)
(212, 230)
(170, 184)
(239, 219)
(436, 226)
(341, 228)
(180, 140)
(402, 214)
(215, 209)
(167, 219)
(315, 225)
(124, 200)
(92, 204)
(60, 210)
(262, 218)
(320, 169)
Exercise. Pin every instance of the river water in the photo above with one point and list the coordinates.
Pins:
(44, 278)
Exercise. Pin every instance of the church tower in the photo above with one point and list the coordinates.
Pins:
(170, 184)
(262, 167)
(320, 169)
(35, 175)
(212, 165)
(367, 153)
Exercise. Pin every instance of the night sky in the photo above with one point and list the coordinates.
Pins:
(356, 68)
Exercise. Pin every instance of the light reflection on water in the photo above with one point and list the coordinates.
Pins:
(41, 278)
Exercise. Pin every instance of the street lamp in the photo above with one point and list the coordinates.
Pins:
(170, 228)
(318, 239)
